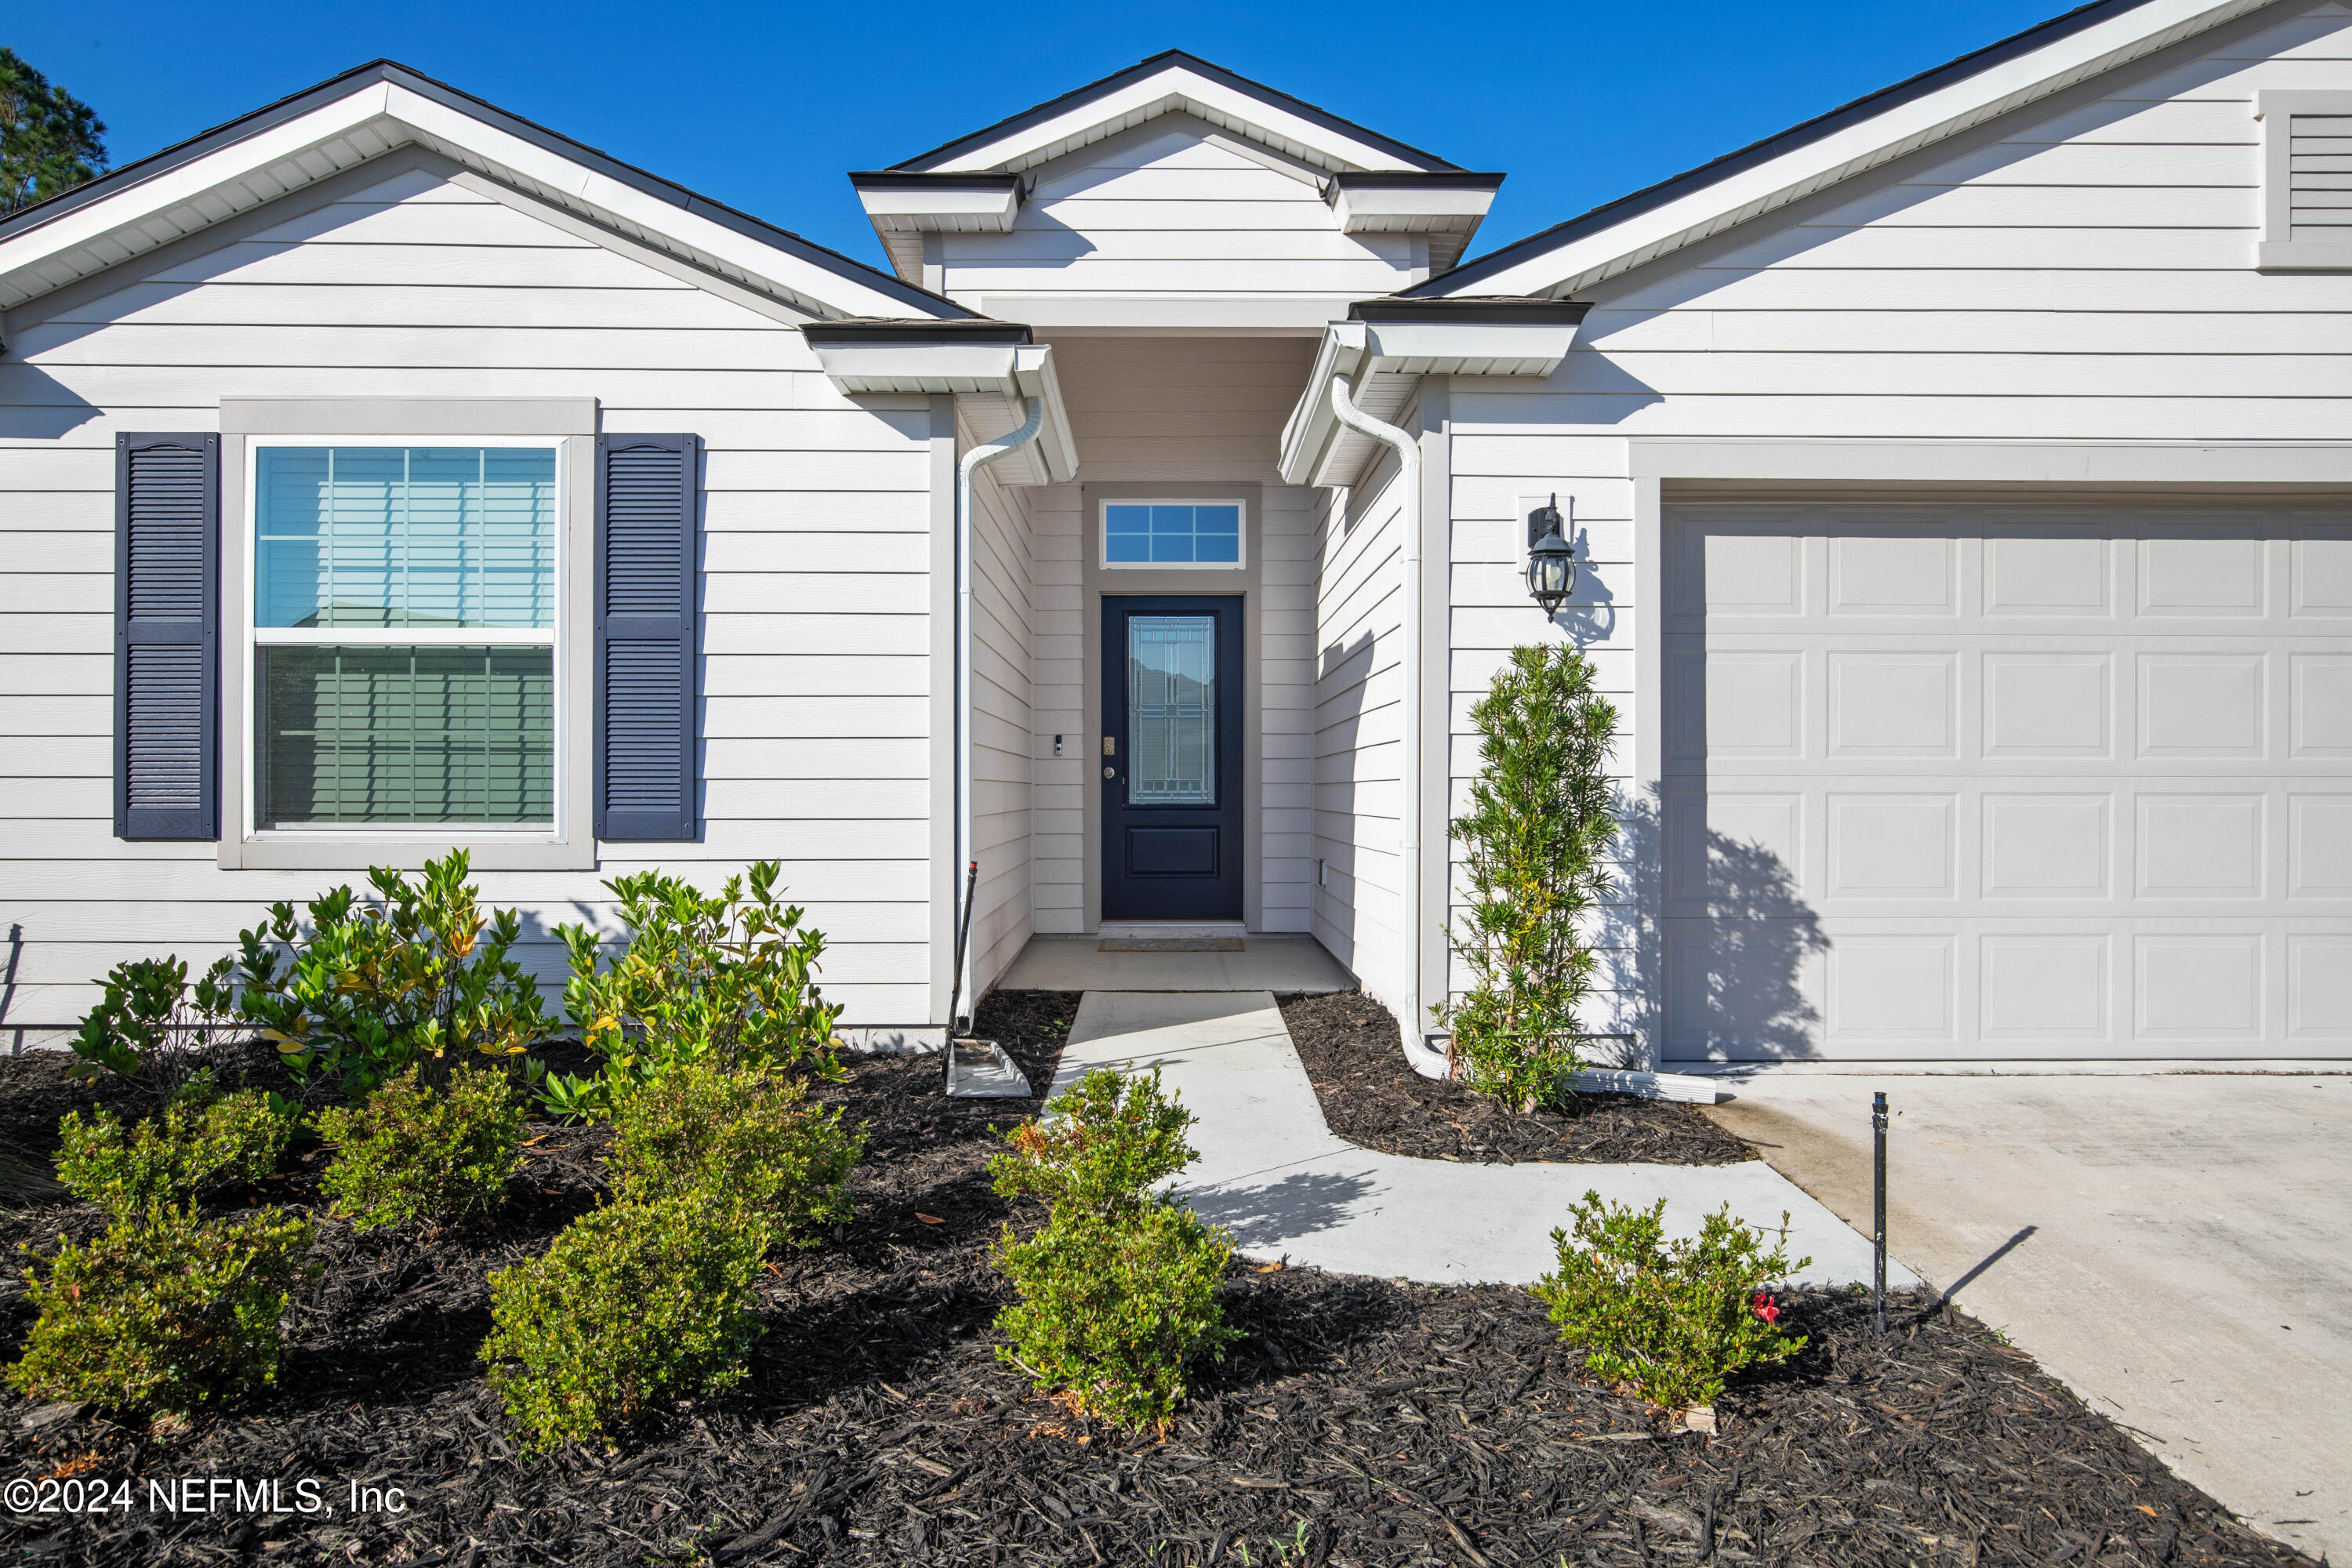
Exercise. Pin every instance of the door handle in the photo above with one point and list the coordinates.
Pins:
(1110, 773)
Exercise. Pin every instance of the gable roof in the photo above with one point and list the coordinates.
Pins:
(1167, 82)
(1871, 131)
(382, 105)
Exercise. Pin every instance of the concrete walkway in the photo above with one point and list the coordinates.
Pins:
(2174, 1248)
(1272, 1172)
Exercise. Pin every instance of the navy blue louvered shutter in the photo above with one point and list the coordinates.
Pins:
(647, 488)
(166, 635)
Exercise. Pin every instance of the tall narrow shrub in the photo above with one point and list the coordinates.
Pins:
(1540, 820)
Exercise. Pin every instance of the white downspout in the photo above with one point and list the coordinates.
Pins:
(979, 458)
(1412, 1024)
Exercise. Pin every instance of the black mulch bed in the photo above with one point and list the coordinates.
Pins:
(1362, 1422)
(1371, 1096)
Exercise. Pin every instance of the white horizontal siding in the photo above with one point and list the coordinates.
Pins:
(1172, 210)
(817, 747)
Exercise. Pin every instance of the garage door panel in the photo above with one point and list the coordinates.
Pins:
(2319, 722)
(1906, 575)
(2042, 988)
(1986, 782)
(2319, 988)
(2202, 573)
(2320, 847)
(2047, 706)
(2065, 573)
(2320, 574)
(2203, 705)
(2046, 845)
(1885, 702)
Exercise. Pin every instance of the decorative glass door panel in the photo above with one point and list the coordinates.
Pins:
(1172, 710)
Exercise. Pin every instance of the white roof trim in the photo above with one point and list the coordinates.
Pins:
(996, 379)
(1172, 89)
(1581, 261)
(1385, 362)
(373, 118)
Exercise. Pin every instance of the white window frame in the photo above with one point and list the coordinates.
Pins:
(2277, 250)
(252, 637)
(1102, 534)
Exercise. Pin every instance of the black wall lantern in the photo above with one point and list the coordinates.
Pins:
(1551, 563)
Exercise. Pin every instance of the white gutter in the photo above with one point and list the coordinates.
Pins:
(979, 458)
(1426, 1061)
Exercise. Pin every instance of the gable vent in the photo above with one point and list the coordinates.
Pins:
(2319, 177)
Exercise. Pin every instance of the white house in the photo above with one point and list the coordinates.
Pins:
(1960, 487)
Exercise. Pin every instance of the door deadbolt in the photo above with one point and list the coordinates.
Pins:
(1111, 745)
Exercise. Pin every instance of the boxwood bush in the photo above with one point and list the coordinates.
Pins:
(1673, 1318)
(202, 1139)
(1118, 1289)
(418, 1149)
(749, 1137)
(169, 1312)
(635, 1301)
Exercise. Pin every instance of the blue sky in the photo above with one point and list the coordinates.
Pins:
(765, 106)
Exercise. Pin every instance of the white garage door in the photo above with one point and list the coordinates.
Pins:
(2006, 783)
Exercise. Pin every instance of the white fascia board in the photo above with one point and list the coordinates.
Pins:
(963, 209)
(1174, 87)
(1905, 129)
(23, 258)
(892, 366)
(1032, 372)
(825, 289)
(1394, 209)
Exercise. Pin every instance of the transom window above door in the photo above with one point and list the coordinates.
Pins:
(1182, 533)
(402, 670)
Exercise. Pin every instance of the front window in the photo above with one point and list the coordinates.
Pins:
(403, 629)
(1171, 533)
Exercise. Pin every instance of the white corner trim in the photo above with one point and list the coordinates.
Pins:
(1581, 262)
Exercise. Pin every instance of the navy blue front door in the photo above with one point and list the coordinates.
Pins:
(1172, 759)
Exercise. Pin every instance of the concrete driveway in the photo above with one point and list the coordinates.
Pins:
(2178, 1249)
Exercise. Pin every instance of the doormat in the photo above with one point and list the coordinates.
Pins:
(1169, 944)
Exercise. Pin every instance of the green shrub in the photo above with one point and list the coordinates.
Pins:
(168, 1313)
(363, 990)
(1540, 819)
(1672, 1318)
(748, 1137)
(633, 1301)
(1115, 1308)
(1099, 1146)
(730, 980)
(415, 1150)
(1119, 1290)
(202, 1139)
(150, 1023)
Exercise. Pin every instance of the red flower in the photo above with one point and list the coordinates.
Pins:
(1766, 1307)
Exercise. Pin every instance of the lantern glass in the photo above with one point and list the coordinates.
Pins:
(1551, 571)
